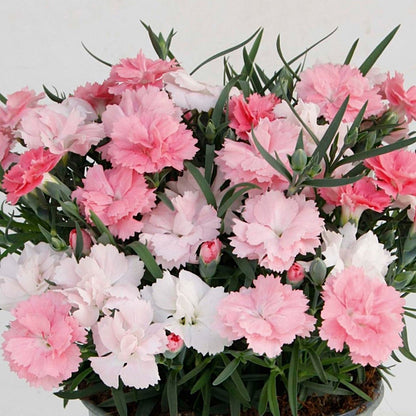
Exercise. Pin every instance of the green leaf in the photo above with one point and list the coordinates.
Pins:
(274, 162)
(203, 184)
(172, 393)
(225, 52)
(372, 58)
(227, 372)
(317, 365)
(162, 197)
(145, 407)
(209, 161)
(330, 182)
(262, 406)
(356, 390)
(236, 379)
(206, 397)
(251, 73)
(195, 371)
(102, 228)
(292, 382)
(325, 389)
(272, 395)
(218, 112)
(3, 99)
(52, 96)
(405, 350)
(202, 381)
(119, 401)
(79, 243)
(95, 57)
(351, 52)
(231, 196)
(286, 64)
(143, 252)
(80, 394)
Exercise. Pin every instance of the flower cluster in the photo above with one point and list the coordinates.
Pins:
(169, 233)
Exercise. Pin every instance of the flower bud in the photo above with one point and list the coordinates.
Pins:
(175, 343)
(317, 271)
(299, 160)
(351, 138)
(295, 274)
(210, 132)
(371, 140)
(86, 241)
(210, 251)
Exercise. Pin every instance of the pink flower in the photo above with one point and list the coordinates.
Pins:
(40, 344)
(134, 73)
(276, 229)
(355, 198)
(363, 313)
(127, 343)
(28, 173)
(296, 273)
(244, 115)
(401, 101)
(242, 162)
(86, 241)
(64, 127)
(115, 196)
(17, 105)
(329, 85)
(210, 251)
(97, 95)
(268, 316)
(146, 133)
(173, 237)
(6, 143)
(175, 343)
(395, 172)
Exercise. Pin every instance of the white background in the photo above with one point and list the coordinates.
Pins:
(41, 44)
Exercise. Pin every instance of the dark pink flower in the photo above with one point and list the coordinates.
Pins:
(210, 251)
(28, 173)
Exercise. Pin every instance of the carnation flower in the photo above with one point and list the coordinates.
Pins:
(363, 313)
(173, 236)
(127, 343)
(28, 173)
(134, 73)
(115, 196)
(187, 306)
(244, 115)
(329, 85)
(64, 127)
(40, 344)
(268, 316)
(242, 162)
(98, 281)
(395, 172)
(27, 274)
(146, 133)
(343, 250)
(276, 229)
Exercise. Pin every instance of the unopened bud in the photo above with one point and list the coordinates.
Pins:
(371, 140)
(209, 257)
(86, 241)
(351, 138)
(295, 274)
(299, 160)
(317, 271)
(57, 243)
(175, 343)
(210, 131)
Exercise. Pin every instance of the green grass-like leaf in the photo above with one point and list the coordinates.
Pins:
(119, 401)
(143, 252)
(95, 57)
(227, 372)
(292, 381)
(203, 184)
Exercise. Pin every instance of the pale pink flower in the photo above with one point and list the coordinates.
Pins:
(363, 313)
(64, 127)
(401, 101)
(269, 315)
(296, 273)
(17, 106)
(173, 237)
(175, 343)
(210, 251)
(27, 274)
(6, 143)
(395, 172)
(97, 95)
(245, 114)
(115, 196)
(276, 229)
(242, 162)
(356, 197)
(86, 240)
(187, 306)
(40, 344)
(134, 73)
(146, 133)
(328, 85)
(127, 343)
(28, 173)
(98, 281)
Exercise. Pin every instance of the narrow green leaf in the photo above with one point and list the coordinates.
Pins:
(235, 406)
(202, 381)
(195, 371)
(330, 182)
(134, 396)
(274, 162)
(95, 57)
(102, 228)
(154, 40)
(251, 73)
(372, 58)
(172, 393)
(80, 394)
(405, 350)
(227, 372)
(356, 390)
(52, 96)
(285, 63)
(143, 252)
(225, 52)
(145, 407)
(218, 112)
(209, 161)
(162, 197)
(79, 243)
(75, 382)
(292, 382)
(262, 406)
(272, 395)
(3, 99)
(225, 204)
(325, 389)
(351, 52)
(206, 396)
(119, 401)
(235, 377)
(203, 184)
(317, 365)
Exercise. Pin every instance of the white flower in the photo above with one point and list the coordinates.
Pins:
(342, 250)
(126, 344)
(28, 274)
(187, 306)
(190, 94)
(99, 281)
